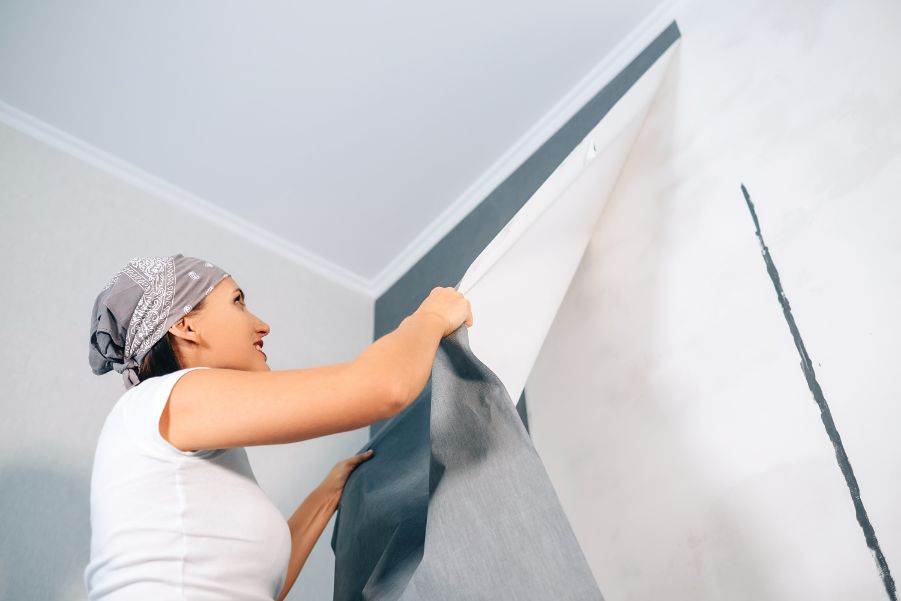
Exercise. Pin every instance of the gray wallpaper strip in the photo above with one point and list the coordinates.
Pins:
(448, 474)
(448, 260)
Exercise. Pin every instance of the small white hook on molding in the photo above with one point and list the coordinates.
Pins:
(592, 151)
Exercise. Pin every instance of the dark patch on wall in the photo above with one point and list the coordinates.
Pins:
(448, 260)
(522, 411)
(826, 415)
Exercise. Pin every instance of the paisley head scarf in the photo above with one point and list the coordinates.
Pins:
(138, 306)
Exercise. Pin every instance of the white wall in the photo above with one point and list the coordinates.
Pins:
(66, 228)
(668, 402)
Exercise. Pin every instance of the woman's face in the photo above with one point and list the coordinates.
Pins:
(222, 334)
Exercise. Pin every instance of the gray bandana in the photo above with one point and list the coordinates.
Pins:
(132, 313)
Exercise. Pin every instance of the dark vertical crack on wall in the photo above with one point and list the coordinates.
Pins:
(810, 376)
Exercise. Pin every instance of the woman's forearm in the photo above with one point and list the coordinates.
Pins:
(306, 526)
(405, 355)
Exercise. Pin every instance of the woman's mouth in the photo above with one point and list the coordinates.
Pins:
(261, 351)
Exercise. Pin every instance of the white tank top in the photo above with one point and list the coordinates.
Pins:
(170, 524)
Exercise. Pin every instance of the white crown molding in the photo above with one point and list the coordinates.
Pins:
(599, 76)
(181, 198)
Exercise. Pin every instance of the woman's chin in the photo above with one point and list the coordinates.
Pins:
(262, 360)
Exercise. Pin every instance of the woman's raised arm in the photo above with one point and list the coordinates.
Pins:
(222, 408)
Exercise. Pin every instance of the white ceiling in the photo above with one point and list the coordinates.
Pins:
(342, 134)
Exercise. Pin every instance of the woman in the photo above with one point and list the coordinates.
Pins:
(175, 509)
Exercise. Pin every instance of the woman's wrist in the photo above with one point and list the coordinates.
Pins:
(438, 323)
(326, 499)
(318, 503)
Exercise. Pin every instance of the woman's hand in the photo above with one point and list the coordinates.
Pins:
(333, 484)
(309, 520)
(450, 305)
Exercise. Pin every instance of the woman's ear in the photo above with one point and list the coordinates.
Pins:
(183, 329)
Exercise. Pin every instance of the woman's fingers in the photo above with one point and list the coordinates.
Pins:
(360, 457)
(344, 467)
